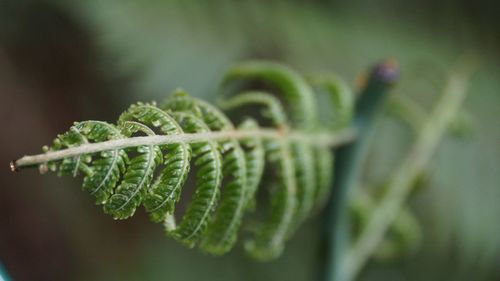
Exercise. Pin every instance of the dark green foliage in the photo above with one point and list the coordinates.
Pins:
(107, 168)
(221, 234)
(271, 235)
(208, 159)
(229, 170)
(324, 166)
(137, 178)
(166, 189)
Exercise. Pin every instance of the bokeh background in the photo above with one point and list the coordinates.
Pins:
(62, 61)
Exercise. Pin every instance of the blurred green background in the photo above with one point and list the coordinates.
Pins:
(62, 61)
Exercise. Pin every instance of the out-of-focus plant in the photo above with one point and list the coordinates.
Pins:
(346, 262)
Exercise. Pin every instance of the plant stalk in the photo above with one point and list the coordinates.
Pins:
(400, 184)
(320, 139)
(348, 166)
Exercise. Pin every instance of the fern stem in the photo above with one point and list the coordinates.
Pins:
(318, 139)
(400, 184)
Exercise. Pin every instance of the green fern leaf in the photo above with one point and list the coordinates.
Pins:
(229, 160)
(107, 169)
(137, 178)
(209, 179)
(296, 92)
(71, 166)
(166, 189)
(303, 157)
(271, 235)
(324, 177)
(291, 85)
(222, 231)
(254, 160)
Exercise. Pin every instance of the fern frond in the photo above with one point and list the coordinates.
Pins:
(303, 156)
(71, 166)
(208, 160)
(272, 234)
(229, 160)
(105, 171)
(340, 96)
(137, 178)
(271, 106)
(292, 86)
(165, 191)
(221, 233)
(254, 161)
(294, 196)
(324, 177)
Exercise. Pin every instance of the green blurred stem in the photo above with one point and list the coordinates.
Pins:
(432, 131)
(348, 166)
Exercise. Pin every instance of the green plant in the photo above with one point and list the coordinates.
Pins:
(345, 260)
(119, 162)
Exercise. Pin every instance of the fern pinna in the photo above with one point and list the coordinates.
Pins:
(146, 158)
